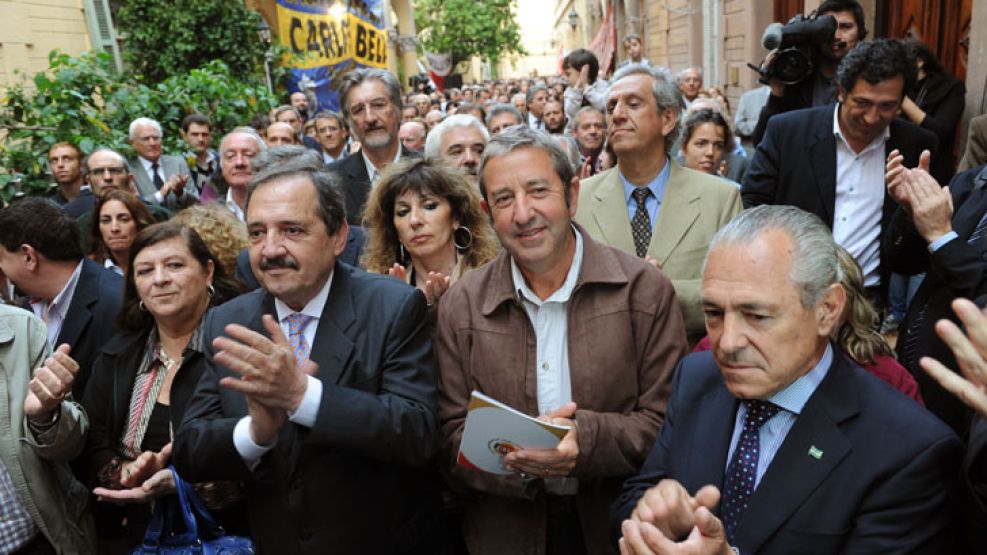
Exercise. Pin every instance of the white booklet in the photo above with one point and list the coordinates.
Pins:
(494, 429)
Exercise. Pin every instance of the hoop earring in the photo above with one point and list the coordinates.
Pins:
(140, 306)
(466, 243)
(211, 291)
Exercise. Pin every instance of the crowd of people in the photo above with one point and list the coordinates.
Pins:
(295, 321)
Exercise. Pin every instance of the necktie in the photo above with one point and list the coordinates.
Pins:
(641, 222)
(738, 484)
(158, 182)
(912, 335)
(297, 322)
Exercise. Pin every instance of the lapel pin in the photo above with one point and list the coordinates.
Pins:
(815, 452)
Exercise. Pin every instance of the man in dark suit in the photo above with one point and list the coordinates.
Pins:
(811, 453)
(319, 390)
(371, 102)
(830, 160)
(76, 297)
(944, 234)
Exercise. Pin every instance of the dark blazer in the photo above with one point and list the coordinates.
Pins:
(350, 255)
(882, 483)
(360, 480)
(957, 269)
(91, 319)
(795, 164)
(356, 183)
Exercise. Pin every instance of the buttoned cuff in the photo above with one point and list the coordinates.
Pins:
(308, 409)
(938, 243)
(249, 451)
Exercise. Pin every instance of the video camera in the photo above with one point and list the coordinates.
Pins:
(420, 83)
(798, 44)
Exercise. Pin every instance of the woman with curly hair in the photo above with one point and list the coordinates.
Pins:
(225, 235)
(425, 226)
(119, 217)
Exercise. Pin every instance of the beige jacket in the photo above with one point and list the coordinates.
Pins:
(39, 466)
(695, 206)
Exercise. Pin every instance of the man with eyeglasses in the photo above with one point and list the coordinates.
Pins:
(105, 169)
(830, 160)
(371, 102)
(160, 179)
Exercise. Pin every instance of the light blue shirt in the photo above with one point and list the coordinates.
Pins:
(653, 202)
(792, 400)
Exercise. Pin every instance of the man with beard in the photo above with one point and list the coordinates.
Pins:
(553, 116)
(371, 102)
(459, 142)
(299, 100)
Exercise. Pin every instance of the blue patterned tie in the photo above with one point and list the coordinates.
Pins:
(297, 322)
(738, 484)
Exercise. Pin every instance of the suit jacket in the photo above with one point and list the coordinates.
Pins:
(350, 255)
(356, 183)
(170, 165)
(37, 465)
(976, 144)
(957, 269)
(359, 480)
(695, 206)
(885, 481)
(90, 320)
(795, 164)
(622, 316)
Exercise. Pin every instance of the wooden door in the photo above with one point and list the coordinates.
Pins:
(786, 9)
(944, 25)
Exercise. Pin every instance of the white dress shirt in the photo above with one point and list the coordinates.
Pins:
(53, 312)
(308, 409)
(860, 200)
(372, 172)
(234, 207)
(158, 197)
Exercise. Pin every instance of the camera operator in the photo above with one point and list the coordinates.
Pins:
(819, 88)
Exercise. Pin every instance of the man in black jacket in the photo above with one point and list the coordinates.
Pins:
(830, 160)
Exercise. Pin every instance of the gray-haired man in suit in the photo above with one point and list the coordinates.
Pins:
(160, 179)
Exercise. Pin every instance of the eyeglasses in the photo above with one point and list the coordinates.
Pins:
(112, 170)
(148, 139)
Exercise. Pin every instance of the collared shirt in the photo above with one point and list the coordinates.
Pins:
(53, 312)
(792, 400)
(653, 202)
(860, 200)
(109, 264)
(372, 172)
(308, 409)
(548, 319)
(534, 122)
(328, 159)
(234, 207)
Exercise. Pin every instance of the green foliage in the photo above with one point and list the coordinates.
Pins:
(467, 28)
(84, 101)
(171, 38)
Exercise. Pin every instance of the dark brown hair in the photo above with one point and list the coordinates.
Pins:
(141, 215)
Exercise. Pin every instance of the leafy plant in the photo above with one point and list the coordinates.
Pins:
(163, 39)
(84, 101)
(466, 28)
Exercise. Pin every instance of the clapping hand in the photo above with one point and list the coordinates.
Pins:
(970, 351)
(50, 384)
(144, 478)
